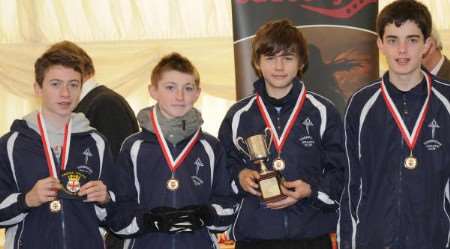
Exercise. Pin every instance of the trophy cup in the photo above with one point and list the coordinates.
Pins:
(258, 151)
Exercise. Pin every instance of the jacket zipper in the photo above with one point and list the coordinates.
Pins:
(279, 131)
(19, 240)
(63, 226)
(286, 224)
(400, 185)
(174, 199)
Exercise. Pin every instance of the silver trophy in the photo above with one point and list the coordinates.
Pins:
(257, 149)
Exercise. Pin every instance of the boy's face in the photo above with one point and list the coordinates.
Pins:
(175, 93)
(403, 48)
(60, 91)
(278, 71)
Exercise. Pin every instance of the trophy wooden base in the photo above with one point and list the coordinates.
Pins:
(269, 185)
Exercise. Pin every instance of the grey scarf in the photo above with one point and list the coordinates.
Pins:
(174, 130)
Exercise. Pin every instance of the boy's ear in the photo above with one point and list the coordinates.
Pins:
(380, 44)
(427, 45)
(152, 91)
(257, 67)
(37, 89)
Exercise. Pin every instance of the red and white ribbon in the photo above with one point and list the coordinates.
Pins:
(409, 138)
(171, 163)
(46, 144)
(279, 141)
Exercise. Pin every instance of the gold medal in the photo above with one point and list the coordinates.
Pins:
(410, 162)
(172, 184)
(278, 164)
(410, 138)
(55, 206)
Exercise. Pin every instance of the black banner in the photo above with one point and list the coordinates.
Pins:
(341, 42)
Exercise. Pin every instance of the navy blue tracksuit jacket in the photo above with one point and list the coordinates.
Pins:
(22, 164)
(313, 152)
(385, 205)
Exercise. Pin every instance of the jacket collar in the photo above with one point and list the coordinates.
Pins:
(287, 101)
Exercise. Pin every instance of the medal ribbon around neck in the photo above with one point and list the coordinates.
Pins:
(280, 141)
(47, 150)
(410, 139)
(172, 164)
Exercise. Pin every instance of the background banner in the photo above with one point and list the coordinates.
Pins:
(343, 55)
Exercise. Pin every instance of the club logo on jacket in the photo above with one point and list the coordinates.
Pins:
(73, 183)
(433, 144)
(307, 140)
(85, 168)
(87, 153)
(195, 178)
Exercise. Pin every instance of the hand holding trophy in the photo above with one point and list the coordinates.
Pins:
(258, 151)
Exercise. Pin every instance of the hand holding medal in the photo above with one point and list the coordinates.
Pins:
(45, 190)
(55, 204)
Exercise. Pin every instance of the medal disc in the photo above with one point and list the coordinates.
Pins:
(55, 206)
(173, 184)
(279, 164)
(410, 162)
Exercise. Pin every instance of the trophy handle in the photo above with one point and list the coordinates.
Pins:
(268, 134)
(240, 139)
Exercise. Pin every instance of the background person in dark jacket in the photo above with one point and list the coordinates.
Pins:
(307, 135)
(107, 111)
(433, 60)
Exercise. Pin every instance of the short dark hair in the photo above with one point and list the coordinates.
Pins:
(400, 11)
(276, 36)
(70, 47)
(54, 58)
(176, 62)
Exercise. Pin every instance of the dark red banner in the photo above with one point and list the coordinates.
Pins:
(341, 37)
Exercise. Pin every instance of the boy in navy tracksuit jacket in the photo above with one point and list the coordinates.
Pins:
(176, 187)
(307, 134)
(397, 137)
(50, 152)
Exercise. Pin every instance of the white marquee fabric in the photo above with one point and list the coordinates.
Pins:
(126, 38)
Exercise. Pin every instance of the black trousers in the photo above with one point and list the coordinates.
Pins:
(321, 242)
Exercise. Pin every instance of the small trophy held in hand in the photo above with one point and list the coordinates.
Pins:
(258, 151)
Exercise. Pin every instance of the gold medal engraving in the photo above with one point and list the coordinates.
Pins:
(410, 162)
(279, 164)
(172, 184)
(55, 206)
